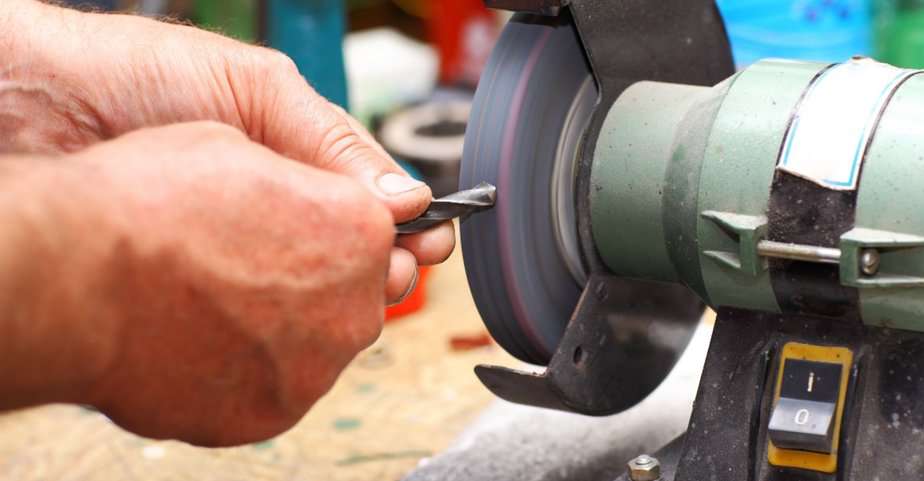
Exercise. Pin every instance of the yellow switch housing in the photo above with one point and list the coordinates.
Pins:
(821, 462)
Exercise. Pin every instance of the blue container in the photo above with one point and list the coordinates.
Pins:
(311, 32)
(821, 30)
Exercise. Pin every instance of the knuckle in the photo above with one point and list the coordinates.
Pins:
(375, 230)
(181, 136)
(339, 144)
(275, 62)
(368, 232)
(211, 130)
(361, 328)
(371, 222)
(369, 332)
(208, 135)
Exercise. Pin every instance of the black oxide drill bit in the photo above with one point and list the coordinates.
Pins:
(461, 204)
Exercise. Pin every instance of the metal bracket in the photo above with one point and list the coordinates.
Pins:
(624, 338)
(860, 242)
(859, 256)
(747, 231)
(750, 232)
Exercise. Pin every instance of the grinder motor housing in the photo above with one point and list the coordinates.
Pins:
(785, 197)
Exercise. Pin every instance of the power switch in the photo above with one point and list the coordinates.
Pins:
(803, 418)
(808, 405)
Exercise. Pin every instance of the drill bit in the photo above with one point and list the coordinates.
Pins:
(461, 204)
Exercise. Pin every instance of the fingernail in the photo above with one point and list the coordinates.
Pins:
(409, 291)
(394, 184)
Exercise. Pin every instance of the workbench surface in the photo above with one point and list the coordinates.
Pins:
(403, 400)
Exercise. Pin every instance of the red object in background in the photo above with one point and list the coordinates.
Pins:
(464, 32)
(414, 302)
(468, 343)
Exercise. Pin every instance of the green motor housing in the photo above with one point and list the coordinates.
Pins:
(683, 180)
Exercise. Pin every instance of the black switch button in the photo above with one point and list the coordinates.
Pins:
(803, 417)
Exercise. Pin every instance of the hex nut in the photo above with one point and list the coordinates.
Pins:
(644, 468)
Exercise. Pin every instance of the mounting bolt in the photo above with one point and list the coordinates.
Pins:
(869, 262)
(644, 468)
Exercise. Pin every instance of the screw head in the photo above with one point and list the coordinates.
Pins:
(869, 262)
(644, 468)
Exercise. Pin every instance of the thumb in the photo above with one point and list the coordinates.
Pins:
(305, 126)
(364, 159)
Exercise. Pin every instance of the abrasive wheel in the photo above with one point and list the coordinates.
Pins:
(534, 101)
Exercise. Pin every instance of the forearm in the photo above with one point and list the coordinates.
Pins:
(50, 348)
(40, 106)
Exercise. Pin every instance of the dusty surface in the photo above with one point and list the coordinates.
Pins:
(513, 442)
(404, 400)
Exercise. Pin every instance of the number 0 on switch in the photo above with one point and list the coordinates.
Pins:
(808, 406)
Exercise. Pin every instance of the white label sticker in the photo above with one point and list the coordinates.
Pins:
(835, 122)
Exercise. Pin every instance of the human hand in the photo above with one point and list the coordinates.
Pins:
(208, 289)
(79, 78)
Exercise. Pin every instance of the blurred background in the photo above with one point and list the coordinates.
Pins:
(407, 69)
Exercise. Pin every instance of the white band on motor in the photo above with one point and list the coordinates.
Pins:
(836, 119)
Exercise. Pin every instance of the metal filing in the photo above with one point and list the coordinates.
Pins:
(458, 205)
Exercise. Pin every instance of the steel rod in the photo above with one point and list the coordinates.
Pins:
(799, 252)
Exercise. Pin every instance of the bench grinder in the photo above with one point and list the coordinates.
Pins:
(640, 179)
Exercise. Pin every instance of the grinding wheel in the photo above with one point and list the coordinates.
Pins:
(533, 104)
